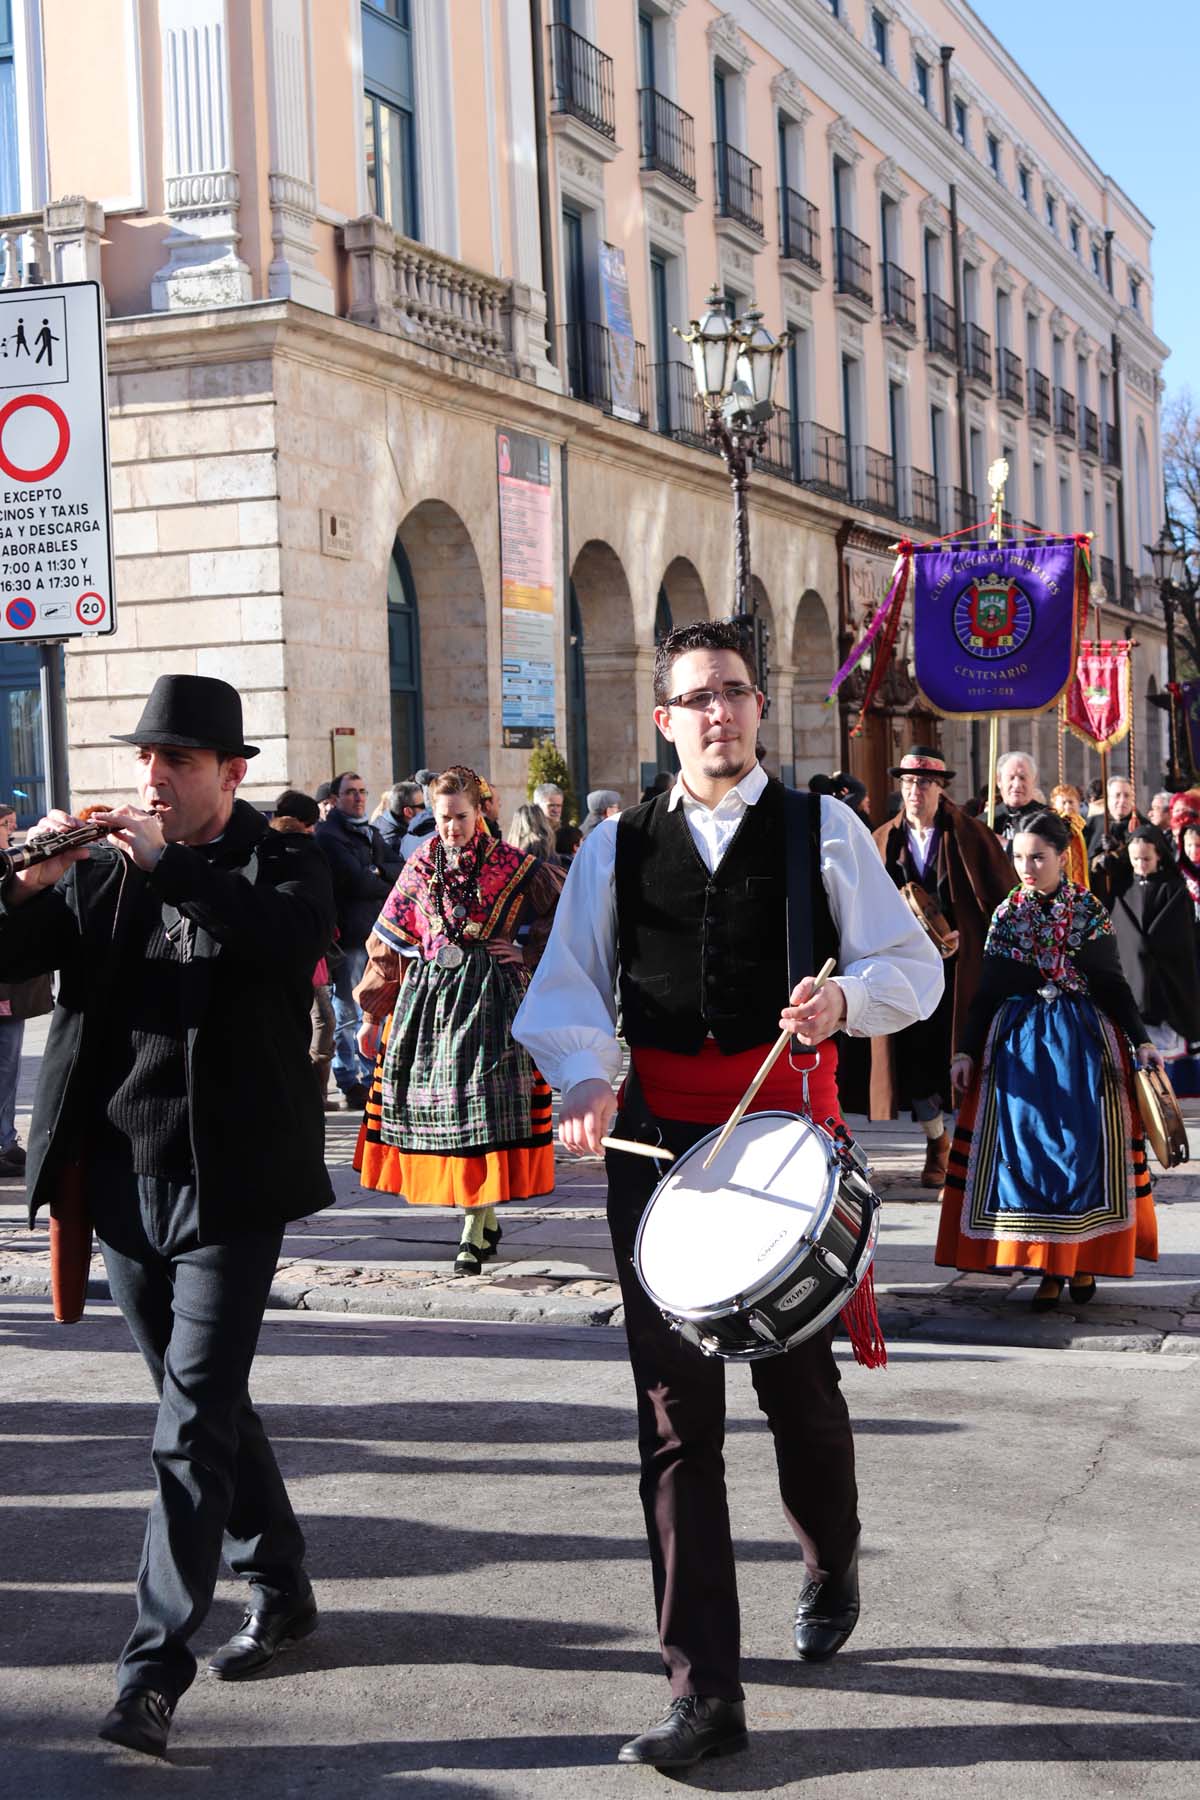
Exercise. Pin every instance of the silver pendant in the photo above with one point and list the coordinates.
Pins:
(460, 912)
(449, 956)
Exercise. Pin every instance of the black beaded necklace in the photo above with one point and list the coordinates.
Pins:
(454, 886)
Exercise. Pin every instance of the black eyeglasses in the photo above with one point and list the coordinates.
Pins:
(700, 699)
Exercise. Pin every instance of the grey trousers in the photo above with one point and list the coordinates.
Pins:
(195, 1312)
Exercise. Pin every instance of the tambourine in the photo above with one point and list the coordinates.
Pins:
(931, 919)
(1165, 1130)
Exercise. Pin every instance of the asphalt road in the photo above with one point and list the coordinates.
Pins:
(1029, 1574)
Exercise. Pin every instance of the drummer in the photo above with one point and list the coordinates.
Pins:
(681, 903)
(962, 866)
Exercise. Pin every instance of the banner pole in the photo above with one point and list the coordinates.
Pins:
(997, 477)
(1062, 744)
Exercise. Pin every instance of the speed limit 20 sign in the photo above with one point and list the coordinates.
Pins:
(56, 563)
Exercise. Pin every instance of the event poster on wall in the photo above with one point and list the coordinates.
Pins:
(526, 588)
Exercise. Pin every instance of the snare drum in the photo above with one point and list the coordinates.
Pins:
(759, 1252)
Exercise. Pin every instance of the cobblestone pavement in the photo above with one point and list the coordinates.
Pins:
(372, 1254)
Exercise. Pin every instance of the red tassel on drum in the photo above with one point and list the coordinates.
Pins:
(861, 1320)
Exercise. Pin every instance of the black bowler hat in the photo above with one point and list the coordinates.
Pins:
(192, 712)
(922, 760)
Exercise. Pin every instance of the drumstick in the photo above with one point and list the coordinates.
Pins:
(777, 1050)
(635, 1149)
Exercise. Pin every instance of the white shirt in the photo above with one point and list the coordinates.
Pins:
(918, 839)
(889, 971)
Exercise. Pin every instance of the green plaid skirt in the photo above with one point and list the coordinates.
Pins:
(454, 1077)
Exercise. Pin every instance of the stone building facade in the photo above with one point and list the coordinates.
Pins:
(346, 247)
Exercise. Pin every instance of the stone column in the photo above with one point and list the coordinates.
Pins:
(293, 274)
(203, 267)
(74, 228)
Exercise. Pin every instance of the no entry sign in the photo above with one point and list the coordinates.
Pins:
(56, 566)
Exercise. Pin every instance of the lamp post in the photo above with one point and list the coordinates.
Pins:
(735, 363)
(1166, 559)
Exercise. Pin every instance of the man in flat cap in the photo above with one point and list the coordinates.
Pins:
(960, 864)
(176, 1073)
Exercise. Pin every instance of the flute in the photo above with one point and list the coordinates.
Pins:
(48, 844)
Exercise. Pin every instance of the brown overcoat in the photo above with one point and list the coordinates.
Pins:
(973, 876)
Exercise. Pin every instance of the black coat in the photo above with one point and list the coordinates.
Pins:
(1156, 936)
(257, 913)
(364, 872)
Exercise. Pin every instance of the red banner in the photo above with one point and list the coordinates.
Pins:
(1099, 700)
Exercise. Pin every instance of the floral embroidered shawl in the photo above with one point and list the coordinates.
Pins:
(410, 916)
(1046, 933)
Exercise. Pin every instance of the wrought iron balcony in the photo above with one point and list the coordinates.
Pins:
(739, 187)
(1010, 378)
(940, 327)
(960, 509)
(1111, 442)
(799, 229)
(923, 502)
(873, 481)
(978, 347)
(1128, 594)
(1064, 412)
(778, 458)
(1039, 396)
(677, 410)
(583, 81)
(852, 264)
(1108, 575)
(1089, 440)
(589, 357)
(668, 139)
(823, 460)
(898, 292)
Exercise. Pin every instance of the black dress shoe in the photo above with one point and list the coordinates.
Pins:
(826, 1614)
(491, 1237)
(141, 1720)
(690, 1729)
(263, 1633)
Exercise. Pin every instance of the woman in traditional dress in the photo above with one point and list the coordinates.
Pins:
(457, 1114)
(1066, 801)
(1048, 1166)
(1154, 920)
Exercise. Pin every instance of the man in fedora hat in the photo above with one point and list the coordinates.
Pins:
(962, 866)
(172, 938)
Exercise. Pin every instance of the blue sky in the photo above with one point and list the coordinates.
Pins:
(1124, 79)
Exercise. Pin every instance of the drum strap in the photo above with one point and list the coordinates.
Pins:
(798, 868)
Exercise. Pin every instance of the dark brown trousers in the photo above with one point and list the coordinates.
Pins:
(681, 1434)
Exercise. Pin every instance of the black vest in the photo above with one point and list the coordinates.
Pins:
(705, 954)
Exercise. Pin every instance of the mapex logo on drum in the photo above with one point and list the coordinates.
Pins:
(795, 1295)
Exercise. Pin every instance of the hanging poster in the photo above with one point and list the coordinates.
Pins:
(1186, 695)
(994, 625)
(526, 589)
(622, 350)
(1099, 699)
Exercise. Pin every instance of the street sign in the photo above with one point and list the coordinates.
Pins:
(56, 563)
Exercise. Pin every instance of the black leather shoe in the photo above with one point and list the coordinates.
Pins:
(141, 1720)
(491, 1237)
(262, 1634)
(690, 1729)
(469, 1260)
(826, 1614)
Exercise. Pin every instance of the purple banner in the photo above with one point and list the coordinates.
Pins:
(994, 626)
(1189, 707)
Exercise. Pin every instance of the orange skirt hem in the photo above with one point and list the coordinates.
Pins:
(462, 1181)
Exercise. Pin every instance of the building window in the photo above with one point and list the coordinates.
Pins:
(993, 150)
(835, 7)
(1051, 212)
(922, 69)
(1097, 262)
(10, 185)
(1074, 231)
(388, 134)
(879, 36)
(960, 121)
(1135, 293)
(1039, 494)
(404, 663)
(1025, 186)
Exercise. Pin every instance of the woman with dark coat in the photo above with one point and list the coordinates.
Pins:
(1154, 920)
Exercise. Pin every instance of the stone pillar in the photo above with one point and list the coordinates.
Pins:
(203, 267)
(292, 274)
(370, 248)
(74, 228)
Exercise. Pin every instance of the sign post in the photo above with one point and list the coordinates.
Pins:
(56, 558)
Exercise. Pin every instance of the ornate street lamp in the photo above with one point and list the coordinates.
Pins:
(735, 363)
(1167, 562)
